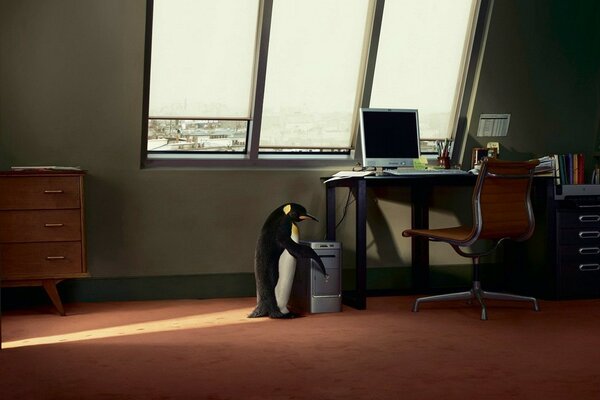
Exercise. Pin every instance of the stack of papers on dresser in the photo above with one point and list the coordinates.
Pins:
(45, 168)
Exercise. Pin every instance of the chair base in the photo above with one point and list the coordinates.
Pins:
(476, 293)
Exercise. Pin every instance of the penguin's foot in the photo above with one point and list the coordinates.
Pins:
(280, 315)
(257, 313)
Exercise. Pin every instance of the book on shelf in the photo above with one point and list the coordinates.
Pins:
(595, 179)
(569, 168)
(596, 176)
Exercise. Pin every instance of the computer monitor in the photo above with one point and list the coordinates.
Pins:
(389, 137)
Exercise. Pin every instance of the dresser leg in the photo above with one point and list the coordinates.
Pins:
(50, 287)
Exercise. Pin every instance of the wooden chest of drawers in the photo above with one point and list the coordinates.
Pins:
(42, 237)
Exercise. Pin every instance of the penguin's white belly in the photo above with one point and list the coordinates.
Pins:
(287, 269)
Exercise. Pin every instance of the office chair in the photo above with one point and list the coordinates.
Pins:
(501, 210)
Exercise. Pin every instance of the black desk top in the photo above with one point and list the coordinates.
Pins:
(442, 179)
(408, 179)
(431, 175)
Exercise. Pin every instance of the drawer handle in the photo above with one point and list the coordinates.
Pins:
(53, 225)
(589, 267)
(589, 234)
(589, 250)
(53, 258)
(589, 218)
(53, 191)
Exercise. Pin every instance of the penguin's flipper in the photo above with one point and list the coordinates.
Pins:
(314, 256)
(301, 251)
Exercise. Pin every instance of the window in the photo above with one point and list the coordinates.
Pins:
(202, 73)
(255, 81)
(420, 61)
(314, 71)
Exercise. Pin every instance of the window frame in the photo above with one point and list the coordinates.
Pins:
(253, 157)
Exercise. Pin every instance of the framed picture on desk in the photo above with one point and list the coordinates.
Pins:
(479, 153)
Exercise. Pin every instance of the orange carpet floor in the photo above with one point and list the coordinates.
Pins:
(208, 349)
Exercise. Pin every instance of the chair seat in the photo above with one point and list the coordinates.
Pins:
(455, 235)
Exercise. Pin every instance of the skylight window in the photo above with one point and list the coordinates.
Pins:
(249, 80)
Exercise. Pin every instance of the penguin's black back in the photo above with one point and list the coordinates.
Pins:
(268, 247)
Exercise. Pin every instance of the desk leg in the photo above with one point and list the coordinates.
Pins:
(361, 244)
(420, 197)
(358, 297)
(330, 212)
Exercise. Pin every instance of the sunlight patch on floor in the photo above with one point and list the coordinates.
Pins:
(221, 318)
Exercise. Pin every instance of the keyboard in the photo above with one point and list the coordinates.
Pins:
(432, 171)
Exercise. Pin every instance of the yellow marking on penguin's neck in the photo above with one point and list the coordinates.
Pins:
(295, 233)
(286, 209)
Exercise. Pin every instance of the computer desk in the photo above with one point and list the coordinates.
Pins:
(421, 191)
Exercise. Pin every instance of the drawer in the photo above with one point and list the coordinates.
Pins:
(576, 281)
(40, 226)
(39, 192)
(580, 236)
(577, 253)
(582, 266)
(579, 219)
(39, 260)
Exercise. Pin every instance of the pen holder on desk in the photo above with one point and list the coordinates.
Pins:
(444, 162)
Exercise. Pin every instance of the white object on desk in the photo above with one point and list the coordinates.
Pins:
(349, 174)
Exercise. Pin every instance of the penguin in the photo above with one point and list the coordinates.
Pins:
(275, 260)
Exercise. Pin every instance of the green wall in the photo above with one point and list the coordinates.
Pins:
(542, 66)
(71, 94)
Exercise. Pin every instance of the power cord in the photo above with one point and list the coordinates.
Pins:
(348, 202)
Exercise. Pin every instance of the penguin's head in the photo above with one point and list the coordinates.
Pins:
(297, 213)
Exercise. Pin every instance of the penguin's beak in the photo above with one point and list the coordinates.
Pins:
(308, 216)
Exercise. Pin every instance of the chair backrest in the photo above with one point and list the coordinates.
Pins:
(501, 200)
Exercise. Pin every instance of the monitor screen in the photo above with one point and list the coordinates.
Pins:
(389, 137)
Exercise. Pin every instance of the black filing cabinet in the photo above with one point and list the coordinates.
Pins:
(578, 249)
(562, 258)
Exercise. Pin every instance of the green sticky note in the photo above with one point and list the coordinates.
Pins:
(420, 163)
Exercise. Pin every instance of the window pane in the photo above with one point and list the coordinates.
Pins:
(313, 73)
(197, 135)
(420, 60)
(203, 54)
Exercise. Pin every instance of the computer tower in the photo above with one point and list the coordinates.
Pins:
(311, 292)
